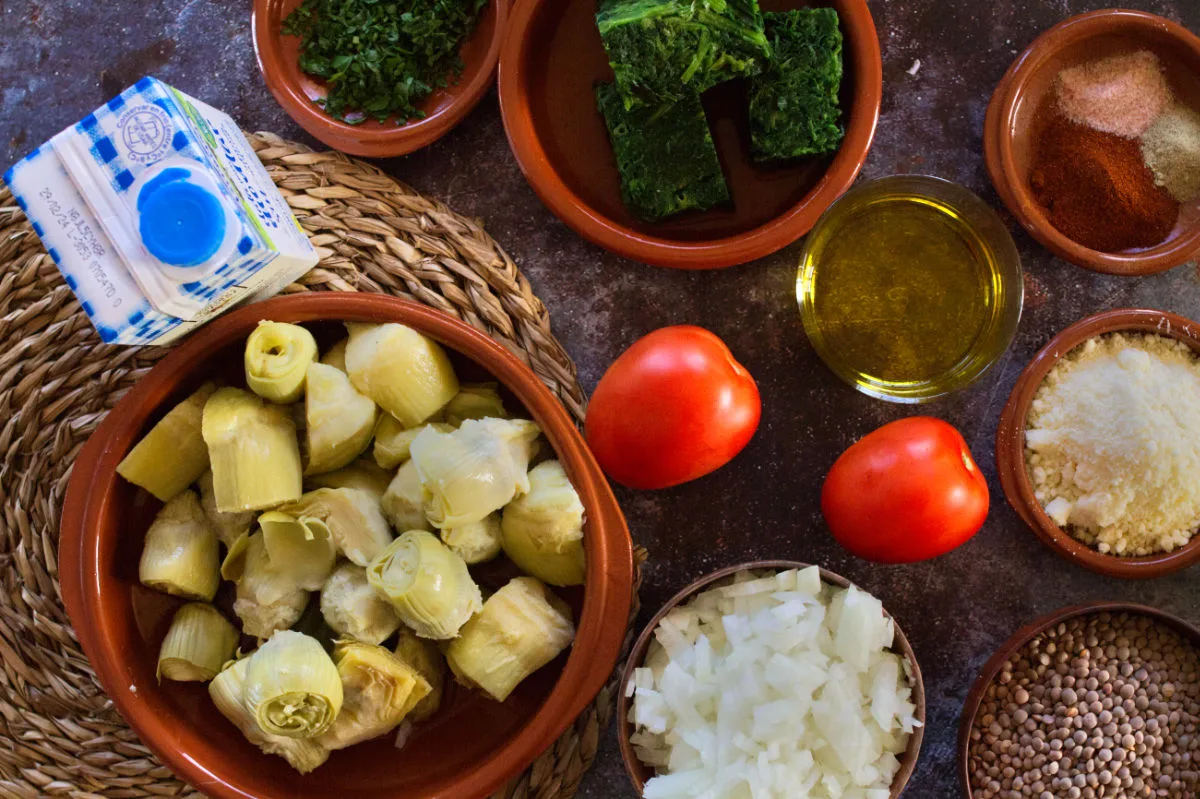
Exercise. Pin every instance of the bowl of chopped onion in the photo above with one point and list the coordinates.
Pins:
(772, 676)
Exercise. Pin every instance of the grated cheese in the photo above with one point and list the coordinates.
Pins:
(1113, 443)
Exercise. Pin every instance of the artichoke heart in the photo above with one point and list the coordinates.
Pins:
(277, 358)
(353, 609)
(353, 518)
(362, 474)
(423, 656)
(521, 628)
(427, 584)
(228, 692)
(379, 688)
(543, 530)
(475, 470)
(292, 687)
(268, 599)
(475, 542)
(393, 442)
(301, 548)
(199, 641)
(181, 555)
(172, 455)
(407, 374)
(335, 356)
(229, 526)
(253, 449)
(404, 501)
(475, 401)
(340, 421)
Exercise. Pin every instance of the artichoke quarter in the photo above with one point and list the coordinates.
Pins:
(393, 441)
(293, 688)
(406, 373)
(404, 501)
(353, 518)
(253, 450)
(181, 554)
(228, 692)
(427, 584)
(521, 628)
(543, 530)
(276, 360)
(268, 599)
(475, 470)
(424, 656)
(300, 547)
(172, 455)
(477, 401)
(339, 420)
(476, 542)
(199, 641)
(363, 474)
(379, 688)
(353, 609)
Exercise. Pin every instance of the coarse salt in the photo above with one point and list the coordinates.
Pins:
(1113, 443)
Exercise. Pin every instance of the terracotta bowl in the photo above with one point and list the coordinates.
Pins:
(1010, 443)
(639, 772)
(1022, 637)
(549, 64)
(278, 61)
(1009, 139)
(474, 744)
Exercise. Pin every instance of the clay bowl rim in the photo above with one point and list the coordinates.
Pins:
(637, 770)
(1010, 443)
(608, 593)
(861, 39)
(1001, 161)
(375, 142)
(1023, 636)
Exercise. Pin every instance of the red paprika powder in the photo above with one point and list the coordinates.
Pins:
(1096, 188)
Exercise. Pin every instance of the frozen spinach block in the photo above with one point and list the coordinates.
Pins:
(661, 51)
(665, 155)
(794, 102)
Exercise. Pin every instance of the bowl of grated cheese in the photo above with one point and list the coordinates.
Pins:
(771, 679)
(1098, 447)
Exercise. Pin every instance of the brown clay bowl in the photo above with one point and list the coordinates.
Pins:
(474, 745)
(549, 63)
(1010, 443)
(1022, 637)
(639, 772)
(1009, 130)
(278, 61)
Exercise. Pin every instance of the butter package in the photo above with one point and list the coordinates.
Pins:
(159, 215)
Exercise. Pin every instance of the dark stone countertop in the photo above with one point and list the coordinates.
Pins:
(62, 58)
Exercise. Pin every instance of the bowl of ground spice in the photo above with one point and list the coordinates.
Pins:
(378, 79)
(1099, 700)
(1092, 139)
(1098, 447)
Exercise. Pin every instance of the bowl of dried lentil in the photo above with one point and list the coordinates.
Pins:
(1012, 442)
(1019, 143)
(1091, 701)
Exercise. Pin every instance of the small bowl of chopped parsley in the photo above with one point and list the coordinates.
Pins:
(378, 78)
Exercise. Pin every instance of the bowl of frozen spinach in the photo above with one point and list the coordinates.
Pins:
(693, 135)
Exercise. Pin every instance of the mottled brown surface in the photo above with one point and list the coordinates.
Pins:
(62, 58)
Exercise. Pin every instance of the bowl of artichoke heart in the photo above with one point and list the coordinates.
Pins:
(344, 545)
(776, 680)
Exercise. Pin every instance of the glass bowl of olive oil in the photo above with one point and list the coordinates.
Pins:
(910, 287)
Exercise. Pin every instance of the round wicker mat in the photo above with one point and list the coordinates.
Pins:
(59, 734)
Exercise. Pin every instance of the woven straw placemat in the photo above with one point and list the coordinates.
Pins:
(59, 733)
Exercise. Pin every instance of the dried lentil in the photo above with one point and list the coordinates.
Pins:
(1109, 706)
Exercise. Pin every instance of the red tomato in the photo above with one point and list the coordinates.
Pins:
(906, 492)
(675, 406)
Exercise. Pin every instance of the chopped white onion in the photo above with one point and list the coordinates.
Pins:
(770, 687)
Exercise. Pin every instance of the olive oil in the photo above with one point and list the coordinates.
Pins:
(907, 289)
